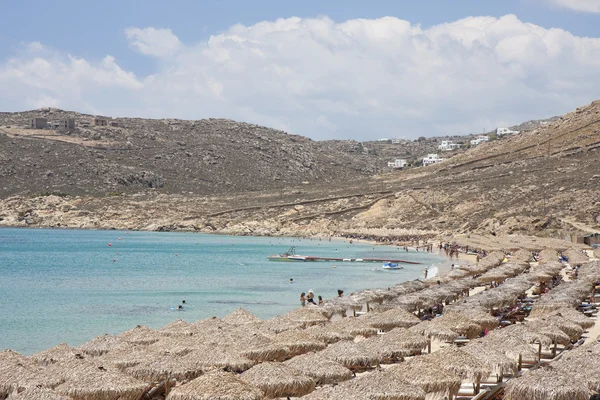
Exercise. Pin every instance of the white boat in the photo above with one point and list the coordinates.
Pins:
(288, 256)
(391, 265)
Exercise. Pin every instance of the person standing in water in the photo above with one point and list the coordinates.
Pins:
(320, 300)
(311, 297)
(303, 299)
(426, 270)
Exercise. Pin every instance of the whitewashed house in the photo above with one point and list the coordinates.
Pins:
(448, 145)
(505, 131)
(432, 159)
(479, 139)
(398, 163)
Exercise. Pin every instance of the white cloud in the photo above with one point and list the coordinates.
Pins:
(592, 6)
(152, 41)
(360, 78)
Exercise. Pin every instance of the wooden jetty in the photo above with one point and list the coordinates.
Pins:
(291, 256)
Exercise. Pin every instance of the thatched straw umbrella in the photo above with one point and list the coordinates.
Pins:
(62, 352)
(381, 386)
(569, 314)
(130, 358)
(498, 363)
(278, 324)
(353, 326)
(576, 257)
(224, 357)
(179, 327)
(308, 316)
(439, 327)
(351, 355)
(241, 316)
(521, 256)
(475, 314)
(556, 328)
(547, 255)
(216, 385)
(89, 382)
(325, 333)
(17, 372)
(278, 380)
(427, 375)
(394, 318)
(426, 329)
(34, 393)
(166, 367)
(178, 345)
(141, 335)
(321, 369)
(516, 342)
(547, 384)
(103, 344)
(298, 342)
(396, 343)
(462, 363)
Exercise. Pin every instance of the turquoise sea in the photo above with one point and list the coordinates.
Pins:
(71, 286)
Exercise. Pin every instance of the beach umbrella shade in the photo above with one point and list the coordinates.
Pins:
(547, 255)
(462, 363)
(178, 345)
(428, 375)
(35, 393)
(438, 327)
(355, 326)
(514, 347)
(325, 333)
(59, 353)
(498, 363)
(223, 357)
(278, 380)
(426, 329)
(87, 382)
(521, 332)
(547, 384)
(561, 331)
(179, 327)
(371, 387)
(351, 355)
(307, 316)
(321, 369)
(566, 313)
(130, 358)
(394, 318)
(278, 324)
(18, 372)
(241, 316)
(217, 385)
(166, 367)
(475, 314)
(140, 335)
(396, 343)
(576, 257)
(298, 342)
(103, 344)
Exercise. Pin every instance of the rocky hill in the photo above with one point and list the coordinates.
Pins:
(544, 182)
(190, 157)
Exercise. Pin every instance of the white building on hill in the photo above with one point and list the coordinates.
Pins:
(432, 159)
(398, 163)
(479, 139)
(505, 131)
(448, 145)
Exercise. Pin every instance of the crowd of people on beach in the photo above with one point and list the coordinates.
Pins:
(310, 298)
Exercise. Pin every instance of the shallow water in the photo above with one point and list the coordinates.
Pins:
(70, 285)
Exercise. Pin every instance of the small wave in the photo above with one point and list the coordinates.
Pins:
(432, 271)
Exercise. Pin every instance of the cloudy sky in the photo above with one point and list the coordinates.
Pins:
(324, 69)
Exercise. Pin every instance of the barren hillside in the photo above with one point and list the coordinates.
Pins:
(544, 182)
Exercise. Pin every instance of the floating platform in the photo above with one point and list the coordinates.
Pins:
(291, 255)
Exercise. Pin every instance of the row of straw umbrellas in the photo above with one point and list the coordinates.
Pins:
(243, 357)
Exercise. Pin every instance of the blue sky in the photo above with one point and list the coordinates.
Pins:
(75, 37)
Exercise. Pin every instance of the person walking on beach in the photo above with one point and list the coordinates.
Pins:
(303, 299)
(426, 272)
